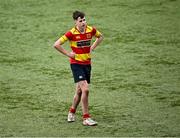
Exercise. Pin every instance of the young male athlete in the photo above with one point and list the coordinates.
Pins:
(80, 60)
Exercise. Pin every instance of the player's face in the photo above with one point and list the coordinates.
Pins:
(81, 22)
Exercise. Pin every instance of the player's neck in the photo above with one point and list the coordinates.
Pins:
(81, 29)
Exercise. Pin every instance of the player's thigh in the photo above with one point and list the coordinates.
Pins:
(83, 85)
(78, 89)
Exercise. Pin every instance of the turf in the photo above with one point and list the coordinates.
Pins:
(135, 89)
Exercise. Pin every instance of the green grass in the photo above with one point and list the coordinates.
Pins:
(135, 88)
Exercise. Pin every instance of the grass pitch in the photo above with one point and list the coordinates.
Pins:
(135, 77)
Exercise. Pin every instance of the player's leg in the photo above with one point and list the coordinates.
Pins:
(77, 97)
(75, 103)
(84, 99)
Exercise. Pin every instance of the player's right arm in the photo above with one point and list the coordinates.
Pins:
(58, 46)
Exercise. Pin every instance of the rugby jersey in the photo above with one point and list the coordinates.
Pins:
(80, 44)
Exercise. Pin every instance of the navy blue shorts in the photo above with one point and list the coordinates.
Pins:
(81, 72)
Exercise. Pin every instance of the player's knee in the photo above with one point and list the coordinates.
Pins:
(84, 87)
(79, 91)
(86, 90)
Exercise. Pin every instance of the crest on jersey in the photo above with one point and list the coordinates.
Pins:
(88, 35)
(78, 37)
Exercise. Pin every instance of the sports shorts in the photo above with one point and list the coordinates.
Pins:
(81, 72)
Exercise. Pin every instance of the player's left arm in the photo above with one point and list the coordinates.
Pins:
(99, 38)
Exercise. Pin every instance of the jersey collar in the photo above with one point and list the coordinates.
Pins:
(79, 31)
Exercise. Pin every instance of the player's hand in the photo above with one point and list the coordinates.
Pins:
(91, 50)
(71, 55)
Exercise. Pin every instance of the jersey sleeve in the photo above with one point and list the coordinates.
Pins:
(96, 33)
(65, 37)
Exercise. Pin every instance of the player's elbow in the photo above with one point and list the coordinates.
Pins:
(55, 45)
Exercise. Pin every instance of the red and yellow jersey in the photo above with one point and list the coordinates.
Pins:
(80, 44)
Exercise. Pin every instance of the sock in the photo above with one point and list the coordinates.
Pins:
(72, 110)
(86, 116)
